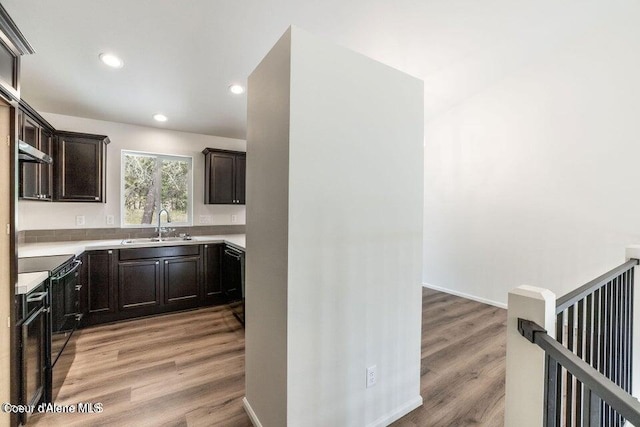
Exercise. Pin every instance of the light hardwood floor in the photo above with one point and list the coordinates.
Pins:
(463, 363)
(187, 369)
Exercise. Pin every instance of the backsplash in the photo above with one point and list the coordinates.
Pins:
(73, 234)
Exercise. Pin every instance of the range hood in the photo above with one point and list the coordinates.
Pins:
(28, 153)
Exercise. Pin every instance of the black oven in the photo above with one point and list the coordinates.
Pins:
(34, 351)
(65, 317)
(65, 306)
(64, 313)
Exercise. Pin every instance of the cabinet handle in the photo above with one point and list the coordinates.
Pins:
(157, 262)
(166, 262)
(233, 254)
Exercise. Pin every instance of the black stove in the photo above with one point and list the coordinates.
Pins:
(44, 263)
(64, 313)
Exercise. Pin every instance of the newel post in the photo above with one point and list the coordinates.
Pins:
(634, 252)
(524, 397)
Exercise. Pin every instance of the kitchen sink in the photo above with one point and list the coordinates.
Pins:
(145, 240)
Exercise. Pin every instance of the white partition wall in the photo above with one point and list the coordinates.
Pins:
(334, 237)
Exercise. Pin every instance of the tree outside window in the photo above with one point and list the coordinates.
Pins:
(151, 182)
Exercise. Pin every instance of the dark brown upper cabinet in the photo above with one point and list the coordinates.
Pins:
(13, 45)
(80, 162)
(224, 181)
(35, 178)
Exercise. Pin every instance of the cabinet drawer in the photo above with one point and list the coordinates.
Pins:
(159, 252)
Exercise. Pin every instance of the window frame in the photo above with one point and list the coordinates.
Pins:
(159, 156)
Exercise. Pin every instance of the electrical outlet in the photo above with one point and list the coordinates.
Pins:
(234, 219)
(80, 220)
(372, 376)
(205, 219)
(110, 220)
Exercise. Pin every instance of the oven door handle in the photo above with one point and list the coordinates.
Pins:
(76, 265)
(36, 296)
(27, 322)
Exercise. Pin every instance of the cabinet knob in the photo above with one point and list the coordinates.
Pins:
(166, 262)
(97, 198)
(157, 262)
(110, 252)
(206, 246)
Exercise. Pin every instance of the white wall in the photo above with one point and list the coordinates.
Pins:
(352, 242)
(41, 215)
(267, 236)
(533, 180)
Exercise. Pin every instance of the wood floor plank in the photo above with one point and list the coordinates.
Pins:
(187, 369)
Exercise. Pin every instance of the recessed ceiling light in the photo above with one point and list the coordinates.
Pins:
(111, 60)
(159, 117)
(236, 89)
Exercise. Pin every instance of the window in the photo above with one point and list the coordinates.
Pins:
(151, 182)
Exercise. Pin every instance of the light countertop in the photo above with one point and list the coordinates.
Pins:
(28, 281)
(77, 248)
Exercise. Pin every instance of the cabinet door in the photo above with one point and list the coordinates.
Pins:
(29, 171)
(138, 284)
(240, 175)
(101, 288)
(45, 173)
(221, 184)
(79, 167)
(182, 281)
(212, 258)
(9, 70)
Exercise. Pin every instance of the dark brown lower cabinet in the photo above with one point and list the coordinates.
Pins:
(182, 281)
(100, 281)
(138, 284)
(135, 282)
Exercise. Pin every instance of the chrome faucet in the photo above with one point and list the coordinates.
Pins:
(160, 222)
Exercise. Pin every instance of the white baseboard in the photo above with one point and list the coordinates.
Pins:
(467, 296)
(385, 420)
(252, 415)
(380, 422)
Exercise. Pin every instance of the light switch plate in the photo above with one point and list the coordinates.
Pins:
(110, 220)
(234, 219)
(80, 220)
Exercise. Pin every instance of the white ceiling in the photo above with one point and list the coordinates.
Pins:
(181, 56)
